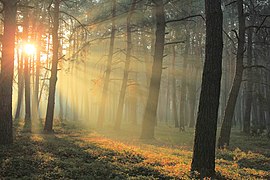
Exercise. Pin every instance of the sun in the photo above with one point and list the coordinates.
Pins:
(29, 49)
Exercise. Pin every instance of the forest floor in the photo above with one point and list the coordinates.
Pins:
(73, 152)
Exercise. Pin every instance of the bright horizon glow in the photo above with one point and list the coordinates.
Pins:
(29, 49)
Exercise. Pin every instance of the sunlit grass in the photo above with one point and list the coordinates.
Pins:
(78, 152)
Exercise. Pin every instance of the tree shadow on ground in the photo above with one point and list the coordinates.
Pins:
(57, 156)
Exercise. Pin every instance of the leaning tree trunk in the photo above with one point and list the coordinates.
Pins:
(7, 67)
(120, 107)
(203, 159)
(52, 86)
(102, 106)
(149, 119)
(225, 132)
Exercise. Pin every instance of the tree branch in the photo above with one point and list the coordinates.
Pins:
(230, 3)
(236, 34)
(82, 25)
(264, 19)
(256, 66)
(175, 42)
(229, 37)
(185, 18)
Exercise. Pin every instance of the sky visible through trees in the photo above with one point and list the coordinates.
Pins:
(186, 75)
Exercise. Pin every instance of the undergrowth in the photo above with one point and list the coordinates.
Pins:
(73, 152)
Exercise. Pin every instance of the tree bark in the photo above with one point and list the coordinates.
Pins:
(149, 119)
(6, 76)
(52, 86)
(203, 159)
(225, 132)
(248, 102)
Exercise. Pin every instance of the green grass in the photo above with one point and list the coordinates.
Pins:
(74, 152)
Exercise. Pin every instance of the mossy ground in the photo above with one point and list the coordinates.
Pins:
(73, 152)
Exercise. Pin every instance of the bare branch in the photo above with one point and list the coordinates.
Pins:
(229, 37)
(175, 42)
(236, 34)
(82, 25)
(258, 27)
(25, 6)
(256, 66)
(264, 19)
(230, 3)
(185, 18)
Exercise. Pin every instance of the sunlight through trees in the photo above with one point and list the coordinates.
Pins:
(193, 68)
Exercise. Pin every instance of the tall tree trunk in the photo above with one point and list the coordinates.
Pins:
(52, 86)
(193, 86)
(262, 120)
(102, 106)
(20, 86)
(7, 67)
(268, 107)
(26, 58)
(120, 107)
(225, 132)
(133, 100)
(183, 107)
(60, 85)
(86, 99)
(149, 119)
(27, 90)
(167, 110)
(203, 159)
(174, 98)
(248, 102)
(192, 101)
(38, 67)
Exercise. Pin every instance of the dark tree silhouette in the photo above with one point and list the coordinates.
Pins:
(26, 59)
(203, 159)
(248, 101)
(225, 132)
(7, 67)
(51, 99)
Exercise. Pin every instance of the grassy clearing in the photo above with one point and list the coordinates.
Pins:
(74, 152)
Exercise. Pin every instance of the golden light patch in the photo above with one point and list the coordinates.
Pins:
(29, 49)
